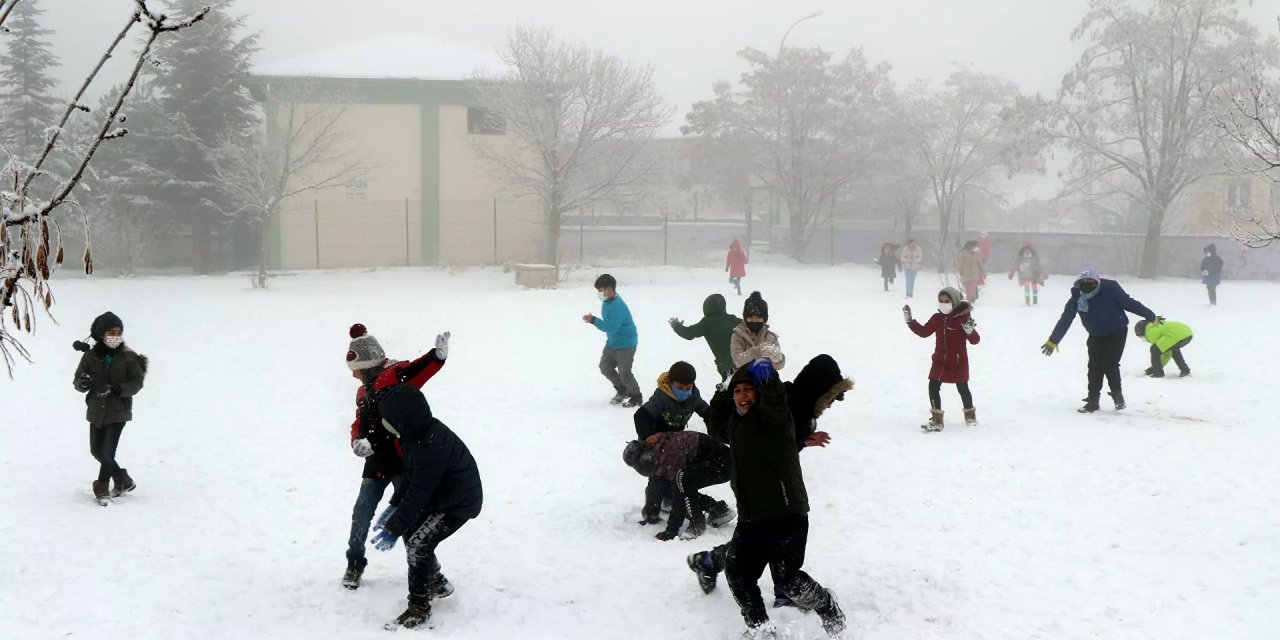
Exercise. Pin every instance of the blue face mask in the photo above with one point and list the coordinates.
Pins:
(681, 394)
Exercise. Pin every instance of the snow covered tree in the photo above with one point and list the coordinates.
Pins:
(27, 105)
(202, 80)
(1133, 109)
(578, 124)
(808, 125)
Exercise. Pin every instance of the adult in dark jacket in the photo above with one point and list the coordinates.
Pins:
(1102, 306)
(1211, 272)
(440, 493)
(110, 374)
(381, 452)
(716, 326)
(669, 409)
(889, 265)
(752, 416)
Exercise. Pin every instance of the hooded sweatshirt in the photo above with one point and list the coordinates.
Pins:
(716, 326)
(1211, 267)
(812, 392)
(736, 262)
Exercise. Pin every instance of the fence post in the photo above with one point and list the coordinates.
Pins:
(582, 221)
(316, 202)
(664, 233)
(406, 232)
(495, 231)
(748, 225)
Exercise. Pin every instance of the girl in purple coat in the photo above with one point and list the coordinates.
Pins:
(954, 330)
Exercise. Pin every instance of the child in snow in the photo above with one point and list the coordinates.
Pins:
(689, 461)
(382, 465)
(911, 258)
(752, 339)
(889, 266)
(110, 374)
(1211, 272)
(716, 326)
(620, 343)
(736, 265)
(669, 409)
(440, 493)
(1030, 274)
(954, 330)
(752, 416)
(1168, 339)
(970, 268)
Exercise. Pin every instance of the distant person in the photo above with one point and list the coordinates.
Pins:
(109, 375)
(1168, 339)
(1101, 305)
(736, 265)
(716, 327)
(954, 330)
(1211, 272)
(620, 343)
(888, 261)
(753, 339)
(969, 268)
(1026, 265)
(911, 258)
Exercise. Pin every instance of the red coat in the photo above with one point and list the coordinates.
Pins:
(950, 351)
(736, 262)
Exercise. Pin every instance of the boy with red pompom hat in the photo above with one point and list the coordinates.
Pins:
(382, 464)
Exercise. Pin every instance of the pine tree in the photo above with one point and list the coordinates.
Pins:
(203, 83)
(27, 106)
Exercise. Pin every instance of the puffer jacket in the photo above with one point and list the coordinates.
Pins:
(1166, 334)
(950, 351)
(121, 370)
(912, 258)
(716, 326)
(663, 412)
(746, 346)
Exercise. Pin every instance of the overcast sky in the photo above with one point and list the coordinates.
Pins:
(691, 43)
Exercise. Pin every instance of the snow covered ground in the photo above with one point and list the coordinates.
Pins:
(1160, 522)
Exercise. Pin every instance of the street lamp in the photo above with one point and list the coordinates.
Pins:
(783, 43)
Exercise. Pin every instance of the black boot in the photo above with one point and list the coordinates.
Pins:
(412, 618)
(355, 569)
(832, 618)
(1118, 397)
(720, 514)
(649, 514)
(703, 564)
(123, 483)
(101, 492)
(1090, 405)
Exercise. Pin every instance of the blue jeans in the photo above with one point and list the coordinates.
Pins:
(911, 282)
(371, 490)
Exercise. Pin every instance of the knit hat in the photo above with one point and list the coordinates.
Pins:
(954, 294)
(364, 351)
(682, 372)
(1089, 273)
(640, 457)
(104, 323)
(755, 306)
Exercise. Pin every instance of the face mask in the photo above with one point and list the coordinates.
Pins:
(681, 394)
(387, 425)
(945, 308)
(1087, 286)
(113, 342)
(600, 294)
(1207, 254)
(755, 327)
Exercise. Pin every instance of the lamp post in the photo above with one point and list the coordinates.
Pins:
(783, 43)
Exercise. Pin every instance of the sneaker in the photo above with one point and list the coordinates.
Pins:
(832, 618)
(633, 401)
(721, 514)
(618, 398)
(355, 569)
(695, 529)
(1118, 397)
(412, 618)
(703, 565)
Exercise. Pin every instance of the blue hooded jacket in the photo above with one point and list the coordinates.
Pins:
(615, 321)
(1105, 312)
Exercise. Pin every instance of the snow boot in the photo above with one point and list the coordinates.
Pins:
(123, 483)
(355, 569)
(442, 589)
(935, 421)
(832, 617)
(697, 527)
(649, 515)
(1153, 372)
(1184, 373)
(764, 631)
(412, 618)
(721, 514)
(703, 565)
(971, 417)
(1090, 405)
(1118, 397)
(618, 398)
(632, 402)
(101, 493)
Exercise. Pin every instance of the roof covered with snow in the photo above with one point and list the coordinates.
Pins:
(396, 56)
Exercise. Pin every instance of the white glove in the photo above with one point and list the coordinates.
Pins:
(969, 327)
(906, 313)
(1205, 272)
(442, 345)
(361, 447)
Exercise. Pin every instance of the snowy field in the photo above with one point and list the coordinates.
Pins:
(1162, 522)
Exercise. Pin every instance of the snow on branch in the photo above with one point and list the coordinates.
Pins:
(6, 6)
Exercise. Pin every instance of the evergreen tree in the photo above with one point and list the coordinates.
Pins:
(27, 106)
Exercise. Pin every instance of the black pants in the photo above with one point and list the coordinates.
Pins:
(935, 394)
(420, 547)
(1104, 361)
(103, 440)
(778, 543)
(1213, 293)
(654, 492)
(688, 501)
(1176, 352)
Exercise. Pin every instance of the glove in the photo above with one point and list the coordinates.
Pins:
(84, 382)
(969, 326)
(113, 390)
(665, 536)
(1205, 272)
(761, 370)
(384, 540)
(381, 523)
(362, 448)
(442, 345)
(1048, 348)
(906, 313)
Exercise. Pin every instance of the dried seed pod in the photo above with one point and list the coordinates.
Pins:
(58, 260)
(88, 262)
(48, 300)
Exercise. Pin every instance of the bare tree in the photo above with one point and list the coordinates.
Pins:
(31, 247)
(1133, 108)
(300, 150)
(577, 125)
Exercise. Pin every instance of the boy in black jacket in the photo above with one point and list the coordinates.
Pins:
(669, 409)
(440, 493)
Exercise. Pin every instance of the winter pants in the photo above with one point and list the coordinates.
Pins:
(1031, 291)
(935, 394)
(689, 502)
(615, 364)
(737, 283)
(778, 543)
(103, 440)
(1104, 361)
(371, 491)
(420, 547)
(911, 281)
(654, 492)
(1213, 294)
(971, 291)
(1157, 356)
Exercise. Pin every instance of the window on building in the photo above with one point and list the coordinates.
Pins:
(483, 122)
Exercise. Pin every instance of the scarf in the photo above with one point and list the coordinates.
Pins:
(1083, 303)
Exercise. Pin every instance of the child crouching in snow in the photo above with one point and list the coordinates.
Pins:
(954, 329)
(1168, 339)
(690, 461)
(672, 404)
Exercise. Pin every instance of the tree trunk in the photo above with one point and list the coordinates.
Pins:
(1151, 248)
(201, 238)
(553, 234)
(262, 255)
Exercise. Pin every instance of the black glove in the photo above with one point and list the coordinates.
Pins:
(84, 382)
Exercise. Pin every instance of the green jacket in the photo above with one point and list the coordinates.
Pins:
(1165, 335)
(765, 476)
(121, 368)
(716, 327)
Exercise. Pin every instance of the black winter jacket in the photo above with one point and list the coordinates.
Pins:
(664, 413)
(114, 377)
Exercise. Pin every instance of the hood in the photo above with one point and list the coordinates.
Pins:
(735, 245)
(819, 382)
(957, 298)
(739, 376)
(664, 384)
(407, 410)
(1212, 249)
(714, 305)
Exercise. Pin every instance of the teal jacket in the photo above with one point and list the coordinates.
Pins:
(616, 323)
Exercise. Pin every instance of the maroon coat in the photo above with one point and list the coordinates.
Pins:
(736, 261)
(950, 351)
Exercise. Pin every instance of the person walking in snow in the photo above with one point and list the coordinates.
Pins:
(1026, 265)
(440, 493)
(620, 343)
(382, 465)
(1211, 272)
(752, 339)
(971, 271)
(1168, 339)
(668, 410)
(688, 461)
(716, 326)
(110, 374)
(1102, 306)
(736, 265)
(911, 258)
(889, 266)
(954, 329)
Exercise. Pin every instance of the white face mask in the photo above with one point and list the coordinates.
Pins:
(946, 308)
(113, 342)
(600, 294)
